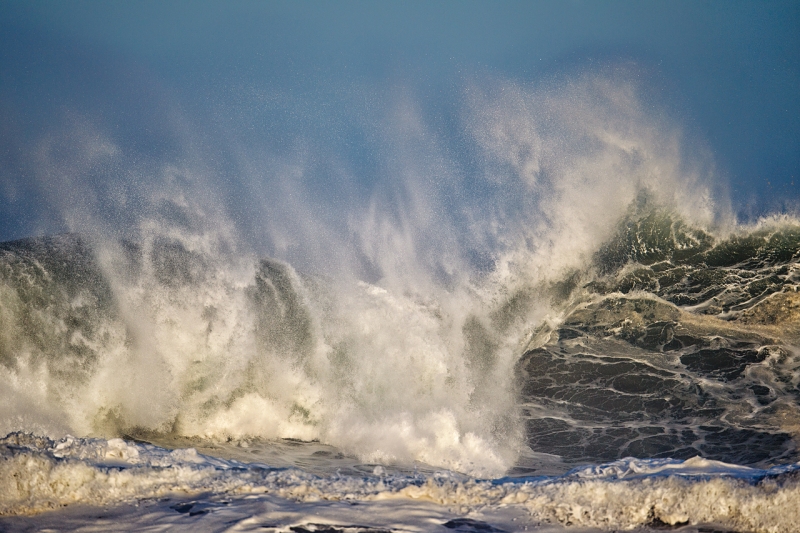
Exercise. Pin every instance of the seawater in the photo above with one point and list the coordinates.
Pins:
(590, 342)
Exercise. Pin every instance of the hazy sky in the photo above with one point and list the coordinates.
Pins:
(272, 72)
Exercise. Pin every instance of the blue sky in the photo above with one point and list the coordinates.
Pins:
(271, 73)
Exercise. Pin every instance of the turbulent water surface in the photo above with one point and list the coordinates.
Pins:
(564, 328)
(676, 347)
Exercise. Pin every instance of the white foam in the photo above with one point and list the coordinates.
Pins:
(622, 495)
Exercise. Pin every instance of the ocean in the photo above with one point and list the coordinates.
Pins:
(158, 382)
(295, 277)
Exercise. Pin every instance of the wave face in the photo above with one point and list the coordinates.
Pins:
(678, 345)
(684, 345)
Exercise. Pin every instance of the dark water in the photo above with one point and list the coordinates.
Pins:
(685, 345)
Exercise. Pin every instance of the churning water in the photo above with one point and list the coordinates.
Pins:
(584, 337)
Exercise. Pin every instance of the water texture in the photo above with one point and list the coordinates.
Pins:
(591, 340)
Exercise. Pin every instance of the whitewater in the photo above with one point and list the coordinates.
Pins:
(569, 331)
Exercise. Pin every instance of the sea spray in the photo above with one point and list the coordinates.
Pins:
(180, 326)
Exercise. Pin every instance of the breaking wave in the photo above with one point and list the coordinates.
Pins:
(577, 292)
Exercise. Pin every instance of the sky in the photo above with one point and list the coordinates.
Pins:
(168, 80)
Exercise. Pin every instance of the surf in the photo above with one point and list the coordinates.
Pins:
(594, 300)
